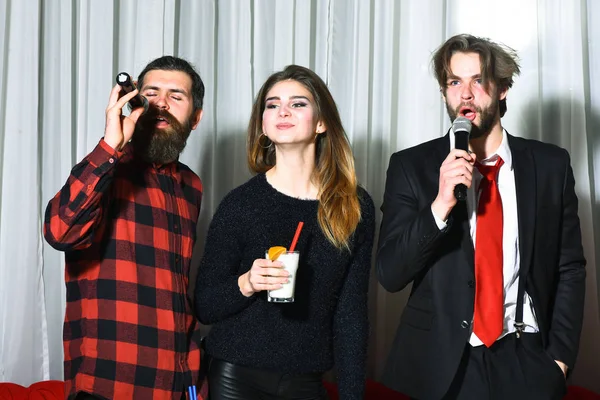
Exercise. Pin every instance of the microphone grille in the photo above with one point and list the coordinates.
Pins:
(461, 124)
(122, 77)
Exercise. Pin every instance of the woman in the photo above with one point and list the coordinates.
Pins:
(305, 173)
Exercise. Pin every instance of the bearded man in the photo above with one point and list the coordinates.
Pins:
(126, 220)
(498, 278)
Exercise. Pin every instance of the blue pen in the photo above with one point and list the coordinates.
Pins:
(192, 393)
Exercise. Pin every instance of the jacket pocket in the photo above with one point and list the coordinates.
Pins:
(417, 318)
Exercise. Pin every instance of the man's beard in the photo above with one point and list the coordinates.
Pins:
(487, 117)
(160, 145)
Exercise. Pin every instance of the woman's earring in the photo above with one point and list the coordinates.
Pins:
(267, 138)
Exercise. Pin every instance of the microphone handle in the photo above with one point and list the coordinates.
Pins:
(461, 139)
(460, 192)
(127, 85)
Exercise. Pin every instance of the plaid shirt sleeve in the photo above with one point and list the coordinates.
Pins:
(75, 212)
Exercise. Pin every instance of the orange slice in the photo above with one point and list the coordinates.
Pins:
(275, 252)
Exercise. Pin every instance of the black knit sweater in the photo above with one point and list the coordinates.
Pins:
(326, 324)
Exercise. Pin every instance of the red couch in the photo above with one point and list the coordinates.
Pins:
(46, 390)
(54, 390)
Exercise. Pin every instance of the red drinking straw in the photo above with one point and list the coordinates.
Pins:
(296, 235)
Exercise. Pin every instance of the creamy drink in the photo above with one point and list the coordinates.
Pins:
(286, 293)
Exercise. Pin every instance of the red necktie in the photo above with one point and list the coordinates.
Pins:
(489, 287)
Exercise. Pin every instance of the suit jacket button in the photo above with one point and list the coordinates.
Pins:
(464, 324)
(471, 284)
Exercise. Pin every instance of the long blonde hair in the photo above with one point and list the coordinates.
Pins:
(335, 176)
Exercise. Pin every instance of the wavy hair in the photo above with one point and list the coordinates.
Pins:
(334, 174)
(499, 63)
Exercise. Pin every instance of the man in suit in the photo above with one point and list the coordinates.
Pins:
(498, 280)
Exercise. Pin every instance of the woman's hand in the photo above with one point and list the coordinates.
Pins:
(264, 275)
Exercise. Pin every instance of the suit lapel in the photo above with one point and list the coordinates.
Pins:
(462, 218)
(525, 186)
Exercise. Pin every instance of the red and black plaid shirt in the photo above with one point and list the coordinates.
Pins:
(127, 229)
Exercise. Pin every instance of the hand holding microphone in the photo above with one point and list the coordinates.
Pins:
(462, 129)
(456, 172)
(119, 128)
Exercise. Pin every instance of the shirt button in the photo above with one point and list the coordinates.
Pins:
(471, 284)
(464, 324)
(111, 160)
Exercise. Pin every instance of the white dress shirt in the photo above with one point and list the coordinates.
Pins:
(510, 237)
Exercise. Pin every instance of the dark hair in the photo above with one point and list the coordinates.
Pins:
(339, 206)
(499, 63)
(170, 63)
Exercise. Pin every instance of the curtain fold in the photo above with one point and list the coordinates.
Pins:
(59, 58)
(23, 337)
(57, 153)
(590, 40)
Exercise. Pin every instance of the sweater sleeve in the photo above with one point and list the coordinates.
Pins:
(217, 294)
(351, 325)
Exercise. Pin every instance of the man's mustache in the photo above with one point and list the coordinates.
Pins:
(155, 113)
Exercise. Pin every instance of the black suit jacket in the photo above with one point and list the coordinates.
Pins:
(435, 325)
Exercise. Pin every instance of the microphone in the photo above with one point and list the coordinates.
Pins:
(462, 129)
(127, 86)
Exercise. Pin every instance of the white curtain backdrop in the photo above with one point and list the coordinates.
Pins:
(58, 60)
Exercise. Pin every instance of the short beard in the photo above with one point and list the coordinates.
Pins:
(487, 116)
(160, 145)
